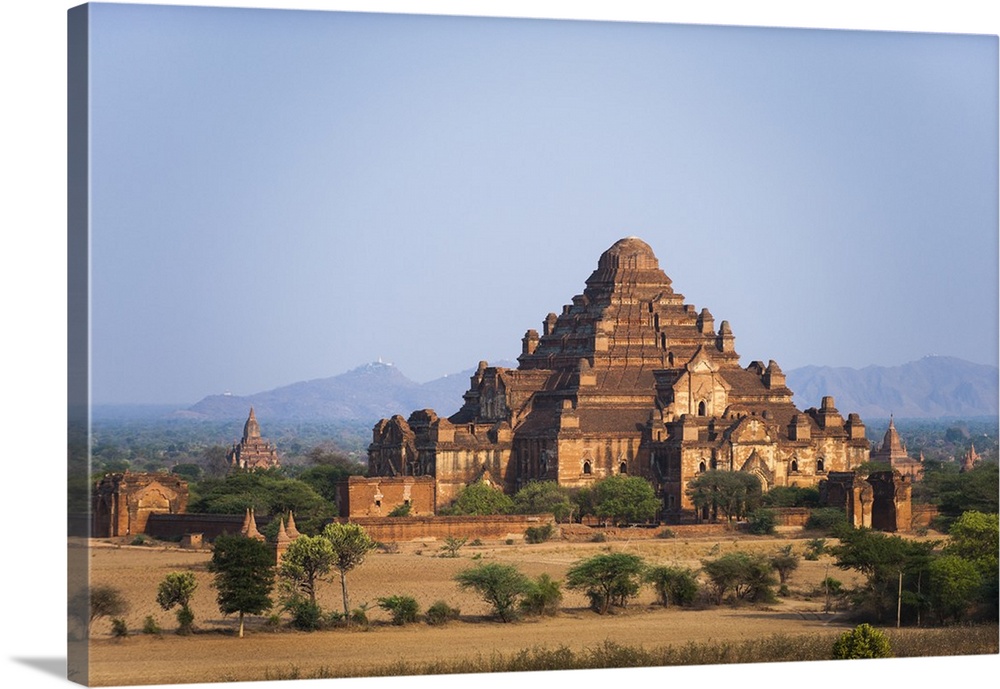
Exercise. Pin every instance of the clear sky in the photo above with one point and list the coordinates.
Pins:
(285, 195)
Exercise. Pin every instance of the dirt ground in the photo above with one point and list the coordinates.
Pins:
(417, 569)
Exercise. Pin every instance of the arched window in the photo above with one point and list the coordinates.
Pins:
(795, 466)
(586, 467)
(623, 468)
(701, 468)
(819, 465)
(701, 408)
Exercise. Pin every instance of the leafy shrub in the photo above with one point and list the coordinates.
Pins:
(477, 541)
(814, 548)
(402, 510)
(826, 519)
(452, 545)
(140, 539)
(761, 522)
(598, 537)
(666, 533)
(674, 585)
(864, 641)
(185, 621)
(119, 629)
(150, 626)
(404, 609)
(359, 615)
(441, 613)
(832, 585)
(499, 585)
(539, 534)
(306, 614)
(743, 576)
(541, 596)
(509, 541)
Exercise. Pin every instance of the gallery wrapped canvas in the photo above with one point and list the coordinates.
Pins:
(424, 344)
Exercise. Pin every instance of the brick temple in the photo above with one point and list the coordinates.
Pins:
(627, 379)
(252, 451)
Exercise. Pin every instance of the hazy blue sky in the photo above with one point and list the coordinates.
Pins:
(282, 195)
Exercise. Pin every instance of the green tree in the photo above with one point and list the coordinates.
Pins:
(954, 587)
(957, 492)
(673, 585)
(306, 561)
(216, 464)
(829, 520)
(607, 579)
(542, 596)
(323, 478)
(791, 496)
(884, 561)
(266, 492)
(244, 575)
(544, 497)
(176, 590)
(483, 499)
(583, 501)
(733, 493)
(784, 562)
(351, 545)
(499, 585)
(761, 522)
(746, 576)
(188, 471)
(975, 536)
(625, 499)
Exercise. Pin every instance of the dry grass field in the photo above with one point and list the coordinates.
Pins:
(214, 653)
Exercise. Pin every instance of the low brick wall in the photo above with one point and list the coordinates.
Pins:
(790, 516)
(389, 529)
(922, 515)
(171, 526)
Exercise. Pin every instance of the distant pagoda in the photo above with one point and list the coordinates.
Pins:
(893, 452)
(253, 451)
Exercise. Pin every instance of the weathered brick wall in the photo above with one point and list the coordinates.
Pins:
(388, 529)
(922, 515)
(791, 516)
(377, 496)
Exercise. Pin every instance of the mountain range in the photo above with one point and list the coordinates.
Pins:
(932, 387)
